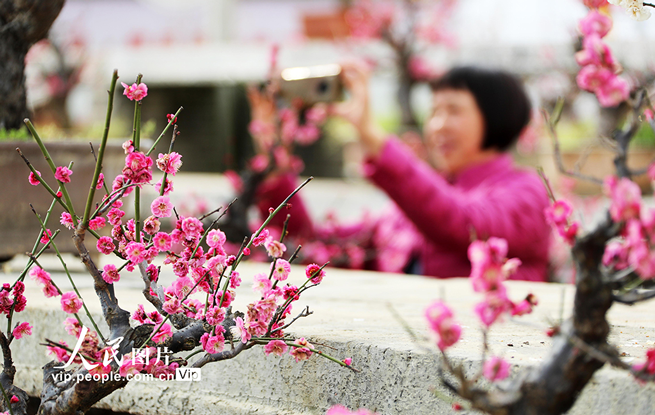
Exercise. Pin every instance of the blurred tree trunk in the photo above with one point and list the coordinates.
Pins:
(22, 23)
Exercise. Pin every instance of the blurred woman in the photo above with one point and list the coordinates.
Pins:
(469, 188)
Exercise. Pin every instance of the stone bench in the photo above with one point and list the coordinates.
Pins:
(352, 314)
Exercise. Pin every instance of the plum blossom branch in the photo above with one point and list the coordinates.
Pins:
(633, 297)
(70, 278)
(43, 182)
(558, 155)
(170, 122)
(48, 159)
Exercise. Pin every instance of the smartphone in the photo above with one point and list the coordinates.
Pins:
(312, 84)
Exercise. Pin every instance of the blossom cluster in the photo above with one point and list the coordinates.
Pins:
(198, 257)
(12, 300)
(633, 247)
(489, 268)
(599, 68)
(634, 8)
(296, 126)
(369, 19)
(558, 215)
(387, 20)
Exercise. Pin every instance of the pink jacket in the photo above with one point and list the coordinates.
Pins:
(491, 199)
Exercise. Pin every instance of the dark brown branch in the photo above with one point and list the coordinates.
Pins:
(116, 318)
(9, 370)
(558, 155)
(624, 137)
(634, 297)
(154, 300)
(227, 354)
(72, 397)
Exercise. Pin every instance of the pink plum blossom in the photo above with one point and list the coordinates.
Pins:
(164, 333)
(282, 270)
(192, 227)
(45, 237)
(594, 4)
(312, 271)
(274, 248)
(264, 234)
(161, 207)
(105, 245)
(63, 174)
(22, 329)
(307, 134)
(169, 163)
(316, 114)
(130, 367)
(135, 252)
(493, 306)
(183, 286)
(440, 318)
(212, 344)
(240, 330)
(595, 23)
(649, 365)
(592, 77)
(300, 353)
(559, 212)
(495, 369)
(49, 290)
(128, 146)
(162, 241)
(172, 305)
(5, 302)
(151, 225)
(276, 347)
(168, 187)
(215, 316)
(616, 255)
(110, 274)
(67, 220)
(34, 181)
(261, 283)
(626, 198)
(135, 92)
(613, 92)
(70, 302)
(97, 223)
(342, 410)
(216, 238)
(115, 216)
(235, 280)
(40, 275)
(101, 181)
(72, 326)
(419, 69)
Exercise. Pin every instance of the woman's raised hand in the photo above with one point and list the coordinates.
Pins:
(356, 109)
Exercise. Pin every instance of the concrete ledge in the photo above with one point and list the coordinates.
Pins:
(352, 316)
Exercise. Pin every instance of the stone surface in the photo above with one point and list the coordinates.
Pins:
(354, 313)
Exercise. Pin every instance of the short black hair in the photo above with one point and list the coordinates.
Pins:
(501, 98)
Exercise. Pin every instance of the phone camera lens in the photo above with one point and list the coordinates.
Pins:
(322, 87)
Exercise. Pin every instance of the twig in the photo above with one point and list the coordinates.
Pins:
(558, 156)
(304, 313)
